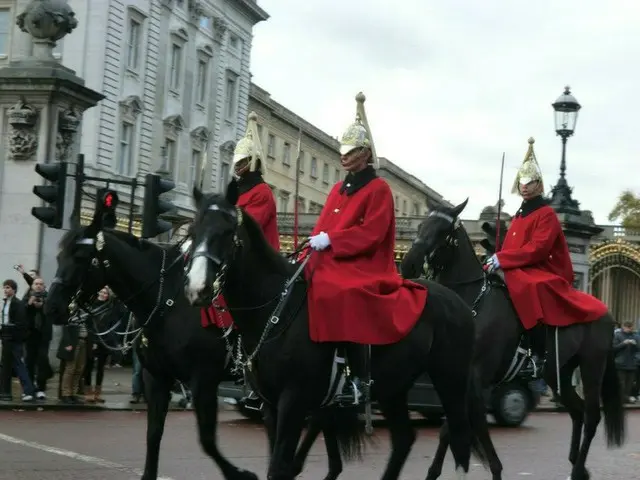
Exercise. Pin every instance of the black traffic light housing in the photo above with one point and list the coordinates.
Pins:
(106, 204)
(154, 206)
(490, 229)
(53, 193)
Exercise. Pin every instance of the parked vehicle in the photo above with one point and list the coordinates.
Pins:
(510, 403)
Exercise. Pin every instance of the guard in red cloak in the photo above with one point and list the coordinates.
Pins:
(256, 198)
(536, 262)
(356, 294)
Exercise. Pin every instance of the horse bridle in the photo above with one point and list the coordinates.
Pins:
(221, 263)
(103, 264)
(449, 241)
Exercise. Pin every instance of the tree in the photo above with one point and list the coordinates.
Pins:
(627, 210)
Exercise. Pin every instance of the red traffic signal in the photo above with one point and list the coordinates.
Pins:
(108, 199)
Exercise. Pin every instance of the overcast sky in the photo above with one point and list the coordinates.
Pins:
(452, 84)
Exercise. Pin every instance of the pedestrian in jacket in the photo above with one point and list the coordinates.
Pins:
(626, 345)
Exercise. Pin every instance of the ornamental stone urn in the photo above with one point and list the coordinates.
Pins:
(47, 21)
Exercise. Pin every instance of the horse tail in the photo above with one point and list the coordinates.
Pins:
(613, 405)
(477, 418)
(345, 425)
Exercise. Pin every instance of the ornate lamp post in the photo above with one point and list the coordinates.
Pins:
(566, 109)
(578, 225)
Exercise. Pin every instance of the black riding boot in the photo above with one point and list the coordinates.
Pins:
(356, 389)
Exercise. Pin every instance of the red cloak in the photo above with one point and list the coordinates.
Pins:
(258, 202)
(355, 291)
(539, 273)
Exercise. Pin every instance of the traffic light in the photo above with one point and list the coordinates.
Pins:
(53, 194)
(106, 204)
(153, 206)
(489, 242)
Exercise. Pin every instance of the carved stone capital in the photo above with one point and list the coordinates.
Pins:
(228, 147)
(196, 10)
(69, 120)
(47, 19)
(200, 137)
(220, 27)
(173, 125)
(23, 138)
(130, 108)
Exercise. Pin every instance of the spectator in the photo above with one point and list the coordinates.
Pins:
(13, 331)
(97, 350)
(73, 351)
(39, 333)
(626, 344)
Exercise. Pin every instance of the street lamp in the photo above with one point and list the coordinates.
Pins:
(566, 109)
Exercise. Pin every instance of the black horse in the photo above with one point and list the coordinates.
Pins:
(291, 373)
(150, 282)
(444, 243)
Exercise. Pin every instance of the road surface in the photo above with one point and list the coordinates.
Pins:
(109, 445)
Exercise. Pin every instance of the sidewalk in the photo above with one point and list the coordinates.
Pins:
(116, 390)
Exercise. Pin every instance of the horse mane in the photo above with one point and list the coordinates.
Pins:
(259, 242)
(71, 237)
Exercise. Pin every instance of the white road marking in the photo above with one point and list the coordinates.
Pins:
(100, 462)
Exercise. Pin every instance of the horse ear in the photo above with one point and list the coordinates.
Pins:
(458, 210)
(94, 227)
(232, 192)
(197, 196)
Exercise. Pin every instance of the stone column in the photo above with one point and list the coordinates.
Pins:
(41, 106)
(579, 228)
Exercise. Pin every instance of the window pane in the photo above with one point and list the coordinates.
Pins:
(4, 32)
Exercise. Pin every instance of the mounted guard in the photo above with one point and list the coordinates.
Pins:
(536, 262)
(356, 294)
(256, 198)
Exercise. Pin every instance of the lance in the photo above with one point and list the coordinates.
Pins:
(295, 195)
(499, 206)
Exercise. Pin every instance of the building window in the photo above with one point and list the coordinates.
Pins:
(416, 209)
(271, 146)
(133, 44)
(5, 29)
(176, 67)
(314, 167)
(196, 155)
(325, 174)
(286, 154)
(169, 157)
(203, 77)
(205, 23)
(231, 95)
(301, 204)
(336, 175)
(404, 208)
(224, 176)
(284, 201)
(260, 132)
(301, 161)
(125, 155)
(397, 203)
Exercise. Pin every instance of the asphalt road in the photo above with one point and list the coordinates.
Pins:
(108, 445)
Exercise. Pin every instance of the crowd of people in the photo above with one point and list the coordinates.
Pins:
(85, 350)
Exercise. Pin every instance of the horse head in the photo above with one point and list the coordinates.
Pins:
(92, 257)
(214, 241)
(435, 243)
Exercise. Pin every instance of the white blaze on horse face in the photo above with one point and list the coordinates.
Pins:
(197, 276)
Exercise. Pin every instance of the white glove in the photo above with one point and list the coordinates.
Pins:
(319, 241)
(492, 263)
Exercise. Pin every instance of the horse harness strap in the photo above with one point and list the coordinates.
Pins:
(275, 316)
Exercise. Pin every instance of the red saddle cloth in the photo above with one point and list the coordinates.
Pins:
(213, 317)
